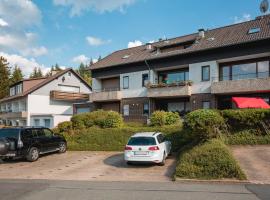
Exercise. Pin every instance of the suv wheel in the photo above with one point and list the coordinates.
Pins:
(62, 147)
(33, 154)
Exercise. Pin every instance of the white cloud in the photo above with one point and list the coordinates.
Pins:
(94, 41)
(243, 18)
(16, 17)
(100, 6)
(27, 65)
(134, 43)
(80, 59)
(3, 22)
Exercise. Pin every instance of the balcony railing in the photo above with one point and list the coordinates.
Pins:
(106, 94)
(12, 115)
(68, 96)
(180, 89)
(241, 83)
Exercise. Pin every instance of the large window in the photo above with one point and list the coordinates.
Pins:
(244, 70)
(125, 82)
(173, 77)
(206, 73)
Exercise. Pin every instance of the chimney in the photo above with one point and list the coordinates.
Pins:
(201, 33)
(149, 46)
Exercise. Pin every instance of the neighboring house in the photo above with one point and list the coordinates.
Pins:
(201, 70)
(44, 101)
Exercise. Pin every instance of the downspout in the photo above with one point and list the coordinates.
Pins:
(149, 72)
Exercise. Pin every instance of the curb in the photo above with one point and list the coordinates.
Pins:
(225, 181)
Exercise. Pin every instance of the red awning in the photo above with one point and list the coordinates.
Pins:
(246, 102)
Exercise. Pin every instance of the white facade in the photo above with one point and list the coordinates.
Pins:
(40, 109)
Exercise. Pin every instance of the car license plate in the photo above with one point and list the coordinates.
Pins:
(140, 153)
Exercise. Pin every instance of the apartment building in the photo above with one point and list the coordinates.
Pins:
(201, 70)
(44, 101)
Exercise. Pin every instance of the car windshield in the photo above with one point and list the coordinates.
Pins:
(143, 141)
(9, 133)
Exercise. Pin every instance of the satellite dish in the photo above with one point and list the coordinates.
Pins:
(264, 6)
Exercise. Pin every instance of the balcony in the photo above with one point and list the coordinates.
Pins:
(68, 96)
(106, 95)
(182, 89)
(13, 115)
(243, 83)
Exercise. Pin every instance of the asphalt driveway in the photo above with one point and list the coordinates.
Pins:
(255, 161)
(100, 166)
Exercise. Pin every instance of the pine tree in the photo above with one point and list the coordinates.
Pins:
(16, 75)
(91, 62)
(37, 73)
(4, 80)
(99, 58)
(84, 73)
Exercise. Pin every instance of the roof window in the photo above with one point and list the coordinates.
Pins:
(254, 30)
(125, 56)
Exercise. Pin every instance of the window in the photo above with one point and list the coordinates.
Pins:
(47, 123)
(245, 70)
(36, 122)
(145, 108)
(254, 30)
(126, 110)
(205, 73)
(145, 80)
(125, 82)
(47, 133)
(160, 138)
(173, 77)
(206, 104)
(142, 141)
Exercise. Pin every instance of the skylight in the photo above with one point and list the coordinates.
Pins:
(254, 30)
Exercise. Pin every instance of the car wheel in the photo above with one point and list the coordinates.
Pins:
(62, 147)
(162, 163)
(33, 154)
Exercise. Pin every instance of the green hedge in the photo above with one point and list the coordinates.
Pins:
(101, 118)
(204, 123)
(245, 118)
(114, 139)
(162, 118)
(247, 137)
(209, 160)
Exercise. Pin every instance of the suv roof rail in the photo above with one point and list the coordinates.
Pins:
(155, 133)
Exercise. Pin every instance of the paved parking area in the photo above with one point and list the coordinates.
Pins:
(100, 166)
(255, 161)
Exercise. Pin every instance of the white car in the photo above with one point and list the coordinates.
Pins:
(147, 147)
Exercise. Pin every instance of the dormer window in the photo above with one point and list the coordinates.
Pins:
(254, 30)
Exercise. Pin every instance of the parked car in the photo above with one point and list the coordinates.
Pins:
(147, 147)
(29, 143)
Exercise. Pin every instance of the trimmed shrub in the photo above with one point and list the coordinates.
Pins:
(243, 118)
(115, 139)
(209, 160)
(204, 124)
(101, 118)
(64, 126)
(161, 118)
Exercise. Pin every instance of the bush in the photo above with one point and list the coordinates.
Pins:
(204, 124)
(115, 139)
(161, 118)
(101, 118)
(64, 126)
(209, 160)
(247, 137)
(244, 118)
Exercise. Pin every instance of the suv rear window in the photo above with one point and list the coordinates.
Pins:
(142, 141)
(9, 133)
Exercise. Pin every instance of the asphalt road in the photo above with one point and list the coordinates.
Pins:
(80, 190)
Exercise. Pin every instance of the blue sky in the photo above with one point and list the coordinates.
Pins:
(67, 32)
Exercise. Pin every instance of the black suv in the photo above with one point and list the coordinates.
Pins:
(29, 143)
